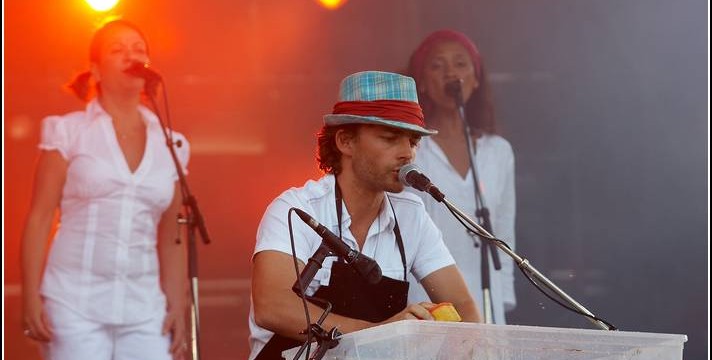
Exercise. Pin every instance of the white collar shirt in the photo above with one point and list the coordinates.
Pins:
(424, 249)
(103, 262)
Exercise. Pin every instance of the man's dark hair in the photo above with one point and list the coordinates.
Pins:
(328, 154)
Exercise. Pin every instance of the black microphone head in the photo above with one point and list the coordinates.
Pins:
(454, 89)
(405, 171)
(306, 218)
(368, 269)
(302, 214)
(142, 70)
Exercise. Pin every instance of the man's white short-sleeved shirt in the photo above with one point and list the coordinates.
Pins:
(425, 251)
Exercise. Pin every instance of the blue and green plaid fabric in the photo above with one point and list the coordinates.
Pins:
(377, 85)
(373, 86)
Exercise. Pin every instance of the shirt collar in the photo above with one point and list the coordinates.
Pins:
(95, 111)
(385, 217)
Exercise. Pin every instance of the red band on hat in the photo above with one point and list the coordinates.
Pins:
(395, 110)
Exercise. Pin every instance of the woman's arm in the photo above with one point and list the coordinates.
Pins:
(49, 181)
(174, 273)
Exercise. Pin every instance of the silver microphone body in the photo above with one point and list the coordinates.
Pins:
(410, 175)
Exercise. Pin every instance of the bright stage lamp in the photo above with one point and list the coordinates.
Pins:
(102, 5)
(331, 4)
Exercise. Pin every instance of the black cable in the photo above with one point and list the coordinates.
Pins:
(475, 231)
(565, 306)
(301, 286)
(326, 305)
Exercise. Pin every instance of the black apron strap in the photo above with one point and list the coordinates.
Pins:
(339, 204)
(399, 240)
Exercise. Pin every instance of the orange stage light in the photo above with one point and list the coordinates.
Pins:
(332, 4)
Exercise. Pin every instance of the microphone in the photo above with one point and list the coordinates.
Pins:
(411, 176)
(454, 90)
(144, 71)
(364, 265)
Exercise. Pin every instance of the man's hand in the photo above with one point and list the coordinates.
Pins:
(412, 312)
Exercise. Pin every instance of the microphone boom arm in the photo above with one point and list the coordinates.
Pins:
(193, 219)
(525, 265)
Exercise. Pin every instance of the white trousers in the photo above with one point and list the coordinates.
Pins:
(78, 338)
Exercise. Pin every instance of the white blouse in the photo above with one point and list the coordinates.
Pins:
(494, 161)
(103, 262)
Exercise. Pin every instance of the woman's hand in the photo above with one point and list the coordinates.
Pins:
(36, 325)
(174, 324)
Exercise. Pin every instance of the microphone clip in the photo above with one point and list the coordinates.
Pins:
(325, 339)
(310, 269)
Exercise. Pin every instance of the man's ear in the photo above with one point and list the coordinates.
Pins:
(345, 141)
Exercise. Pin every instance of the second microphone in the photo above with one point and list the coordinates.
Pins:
(364, 265)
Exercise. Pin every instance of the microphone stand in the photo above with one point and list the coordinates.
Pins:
(193, 219)
(325, 340)
(481, 212)
(527, 267)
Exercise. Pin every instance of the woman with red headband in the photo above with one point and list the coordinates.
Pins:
(446, 58)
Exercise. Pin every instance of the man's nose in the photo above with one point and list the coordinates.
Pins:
(407, 151)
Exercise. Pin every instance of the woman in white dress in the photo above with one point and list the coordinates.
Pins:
(444, 57)
(114, 283)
